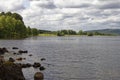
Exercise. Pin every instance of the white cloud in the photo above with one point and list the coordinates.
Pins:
(11, 5)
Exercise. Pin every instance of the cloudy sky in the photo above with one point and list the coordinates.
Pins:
(66, 14)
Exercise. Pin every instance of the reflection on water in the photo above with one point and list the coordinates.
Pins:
(71, 58)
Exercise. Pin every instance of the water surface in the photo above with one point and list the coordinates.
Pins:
(71, 58)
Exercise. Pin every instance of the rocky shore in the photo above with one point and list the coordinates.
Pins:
(9, 70)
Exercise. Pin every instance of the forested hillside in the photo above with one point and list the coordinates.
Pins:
(107, 31)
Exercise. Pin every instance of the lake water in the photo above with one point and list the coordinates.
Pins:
(71, 58)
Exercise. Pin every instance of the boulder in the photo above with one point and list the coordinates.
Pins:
(2, 59)
(38, 76)
(11, 59)
(3, 50)
(11, 71)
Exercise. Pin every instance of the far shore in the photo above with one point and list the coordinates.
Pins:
(53, 35)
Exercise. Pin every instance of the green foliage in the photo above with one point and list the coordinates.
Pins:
(8, 63)
(29, 31)
(66, 32)
(34, 31)
(90, 34)
(12, 26)
(45, 32)
(82, 32)
(2, 13)
(17, 16)
(59, 33)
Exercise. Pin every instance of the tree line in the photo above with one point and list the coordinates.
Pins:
(71, 32)
(13, 27)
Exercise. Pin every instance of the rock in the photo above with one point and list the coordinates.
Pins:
(2, 59)
(38, 76)
(20, 51)
(15, 48)
(24, 58)
(19, 59)
(19, 64)
(42, 59)
(11, 59)
(26, 65)
(36, 65)
(3, 50)
(14, 53)
(11, 71)
(23, 66)
(42, 68)
(30, 55)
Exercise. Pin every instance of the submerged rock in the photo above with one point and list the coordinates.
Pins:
(15, 48)
(30, 55)
(42, 68)
(26, 65)
(43, 59)
(20, 51)
(36, 65)
(14, 53)
(19, 59)
(38, 76)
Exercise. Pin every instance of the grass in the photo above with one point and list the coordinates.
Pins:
(7, 63)
(49, 35)
(46, 35)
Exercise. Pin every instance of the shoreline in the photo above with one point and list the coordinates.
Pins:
(53, 35)
(65, 36)
(11, 66)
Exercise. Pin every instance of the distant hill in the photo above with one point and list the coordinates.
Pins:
(107, 31)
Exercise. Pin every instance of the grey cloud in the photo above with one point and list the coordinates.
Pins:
(107, 4)
(18, 8)
(34, 0)
(15, 8)
(85, 5)
(111, 5)
(48, 5)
